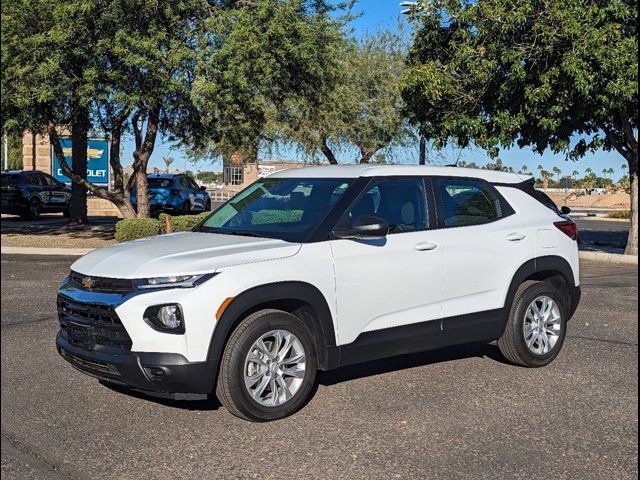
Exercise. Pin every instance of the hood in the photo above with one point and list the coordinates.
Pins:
(185, 253)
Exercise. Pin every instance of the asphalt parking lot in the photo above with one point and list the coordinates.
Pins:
(458, 413)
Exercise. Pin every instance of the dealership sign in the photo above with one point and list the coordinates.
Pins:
(97, 161)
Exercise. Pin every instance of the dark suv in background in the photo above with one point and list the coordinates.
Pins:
(30, 193)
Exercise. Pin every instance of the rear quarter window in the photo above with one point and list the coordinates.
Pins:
(466, 202)
(11, 180)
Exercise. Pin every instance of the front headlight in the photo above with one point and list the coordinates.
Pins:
(177, 281)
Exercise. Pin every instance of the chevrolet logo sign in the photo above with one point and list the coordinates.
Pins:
(87, 282)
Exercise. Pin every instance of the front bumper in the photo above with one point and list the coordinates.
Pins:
(93, 339)
(169, 373)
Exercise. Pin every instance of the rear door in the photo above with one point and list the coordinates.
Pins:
(485, 243)
(396, 281)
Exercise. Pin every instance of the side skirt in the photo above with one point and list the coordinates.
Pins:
(421, 337)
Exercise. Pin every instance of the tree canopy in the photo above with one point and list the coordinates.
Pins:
(551, 75)
(360, 106)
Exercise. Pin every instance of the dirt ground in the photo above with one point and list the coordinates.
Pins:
(618, 201)
(53, 231)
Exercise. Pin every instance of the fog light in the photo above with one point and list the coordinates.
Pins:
(165, 318)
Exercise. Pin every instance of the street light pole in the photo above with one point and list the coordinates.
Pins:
(5, 139)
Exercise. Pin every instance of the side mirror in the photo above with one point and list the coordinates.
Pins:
(203, 188)
(365, 227)
(565, 210)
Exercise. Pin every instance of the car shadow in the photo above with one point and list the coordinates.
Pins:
(340, 375)
(404, 362)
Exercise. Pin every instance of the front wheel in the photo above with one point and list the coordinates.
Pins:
(537, 325)
(268, 367)
(34, 209)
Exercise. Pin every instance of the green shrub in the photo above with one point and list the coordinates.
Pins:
(183, 223)
(623, 214)
(133, 228)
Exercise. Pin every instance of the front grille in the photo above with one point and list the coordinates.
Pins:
(101, 284)
(88, 325)
(92, 367)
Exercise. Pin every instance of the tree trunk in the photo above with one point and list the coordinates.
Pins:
(328, 152)
(142, 193)
(366, 157)
(33, 150)
(79, 143)
(141, 155)
(423, 151)
(632, 243)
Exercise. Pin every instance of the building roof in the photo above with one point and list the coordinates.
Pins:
(364, 170)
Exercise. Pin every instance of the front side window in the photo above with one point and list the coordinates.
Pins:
(468, 202)
(399, 201)
(285, 208)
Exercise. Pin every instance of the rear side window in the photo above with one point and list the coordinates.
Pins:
(469, 202)
(10, 180)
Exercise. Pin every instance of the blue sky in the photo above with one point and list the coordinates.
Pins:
(377, 14)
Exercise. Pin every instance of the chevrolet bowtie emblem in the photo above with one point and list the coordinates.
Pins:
(87, 282)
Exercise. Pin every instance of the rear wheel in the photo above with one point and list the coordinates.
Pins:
(537, 325)
(268, 367)
(186, 208)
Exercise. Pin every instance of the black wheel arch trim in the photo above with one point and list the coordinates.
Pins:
(320, 320)
(552, 264)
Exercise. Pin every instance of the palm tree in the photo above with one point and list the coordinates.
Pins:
(575, 174)
(167, 162)
(524, 169)
(557, 172)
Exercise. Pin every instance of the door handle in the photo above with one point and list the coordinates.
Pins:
(425, 247)
(516, 237)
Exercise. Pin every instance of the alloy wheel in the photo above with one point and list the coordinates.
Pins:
(274, 368)
(542, 325)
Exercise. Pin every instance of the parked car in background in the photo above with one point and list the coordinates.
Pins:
(322, 267)
(30, 193)
(177, 194)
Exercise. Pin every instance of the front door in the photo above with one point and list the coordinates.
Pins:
(394, 281)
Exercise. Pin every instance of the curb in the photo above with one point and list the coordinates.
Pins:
(609, 258)
(74, 252)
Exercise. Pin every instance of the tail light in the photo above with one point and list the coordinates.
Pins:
(175, 192)
(570, 229)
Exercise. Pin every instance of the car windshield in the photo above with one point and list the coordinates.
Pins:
(285, 208)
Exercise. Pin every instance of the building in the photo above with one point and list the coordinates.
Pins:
(238, 175)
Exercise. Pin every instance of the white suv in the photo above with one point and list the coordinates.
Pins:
(321, 267)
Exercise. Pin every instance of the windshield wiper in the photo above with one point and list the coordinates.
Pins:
(239, 233)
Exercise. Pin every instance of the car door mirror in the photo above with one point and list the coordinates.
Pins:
(565, 210)
(203, 189)
(365, 227)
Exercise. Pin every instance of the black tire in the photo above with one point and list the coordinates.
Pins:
(34, 209)
(66, 213)
(231, 390)
(186, 208)
(512, 344)
(207, 206)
